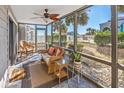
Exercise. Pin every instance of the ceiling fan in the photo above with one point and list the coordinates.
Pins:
(46, 15)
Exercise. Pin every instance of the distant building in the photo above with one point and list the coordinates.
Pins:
(108, 25)
(88, 38)
(30, 33)
(80, 37)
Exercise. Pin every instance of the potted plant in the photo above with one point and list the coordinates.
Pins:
(77, 62)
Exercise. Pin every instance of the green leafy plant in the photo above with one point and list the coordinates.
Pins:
(102, 38)
(76, 56)
(120, 37)
(121, 45)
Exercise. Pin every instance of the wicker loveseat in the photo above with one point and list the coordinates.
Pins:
(52, 55)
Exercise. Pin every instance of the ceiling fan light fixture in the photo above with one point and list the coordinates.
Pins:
(46, 16)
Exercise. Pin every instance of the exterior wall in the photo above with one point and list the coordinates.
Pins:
(4, 53)
(121, 22)
(5, 12)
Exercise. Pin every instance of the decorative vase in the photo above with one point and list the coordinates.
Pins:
(77, 65)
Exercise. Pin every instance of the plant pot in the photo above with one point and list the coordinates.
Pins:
(77, 65)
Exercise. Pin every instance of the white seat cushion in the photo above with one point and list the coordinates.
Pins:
(46, 58)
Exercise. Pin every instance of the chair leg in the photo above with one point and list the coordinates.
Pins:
(51, 68)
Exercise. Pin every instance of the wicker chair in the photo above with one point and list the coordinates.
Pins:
(25, 48)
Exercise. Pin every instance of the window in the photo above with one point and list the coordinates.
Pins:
(120, 34)
(56, 33)
(67, 31)
(94, 38)
(41, 26)
(121, 44)
(41, 39)
(27, 32)
(33, 34)
(93, 34)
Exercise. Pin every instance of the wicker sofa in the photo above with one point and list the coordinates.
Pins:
(51, 57)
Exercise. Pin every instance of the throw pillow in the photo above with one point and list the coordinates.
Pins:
(58, 52)
(51, 51)
(16, 74)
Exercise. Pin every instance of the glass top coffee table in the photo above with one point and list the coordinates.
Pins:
(61, 69)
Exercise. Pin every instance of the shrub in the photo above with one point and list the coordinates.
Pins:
(120, 37)
(121, 45)
(102, 38)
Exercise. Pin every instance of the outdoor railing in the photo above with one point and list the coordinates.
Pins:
(101, 74)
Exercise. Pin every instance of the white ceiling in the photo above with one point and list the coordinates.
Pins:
(24, 13)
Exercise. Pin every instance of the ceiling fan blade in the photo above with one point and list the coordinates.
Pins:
(37, 14)
(53, 15)
(36, 17)
(54, 18)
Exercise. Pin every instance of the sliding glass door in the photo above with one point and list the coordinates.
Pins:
(34, 34)
(41, 39)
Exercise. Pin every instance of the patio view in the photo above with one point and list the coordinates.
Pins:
(83, 34)
(93, 38)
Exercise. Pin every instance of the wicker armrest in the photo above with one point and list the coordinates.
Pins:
(55, 58)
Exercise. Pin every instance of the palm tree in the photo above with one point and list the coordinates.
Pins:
(106, 29)
(62, 25)
(82, 19)
(121, 8)
(69, 20)
(88, 31)
(91, 31)
(63, 28)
